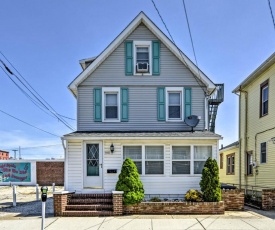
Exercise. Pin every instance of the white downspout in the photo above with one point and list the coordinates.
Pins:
(65, 164)
(206, 114)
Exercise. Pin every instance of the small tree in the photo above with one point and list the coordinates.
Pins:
(130, 183)
(210, 183)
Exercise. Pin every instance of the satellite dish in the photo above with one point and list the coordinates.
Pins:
(192, 121)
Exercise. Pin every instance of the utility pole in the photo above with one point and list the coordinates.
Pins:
(19, 153)
(15, 150)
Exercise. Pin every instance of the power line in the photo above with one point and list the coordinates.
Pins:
(39, 98)
(28, 123)
(190, 35)
(270, 9)
(34, 147)
(26, 94)
(181, 54)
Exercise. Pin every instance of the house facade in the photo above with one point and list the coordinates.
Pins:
(4, 155)
(143, 99)
(256, 157)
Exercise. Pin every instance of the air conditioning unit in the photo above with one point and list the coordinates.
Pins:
(142, 67)
(254, 164)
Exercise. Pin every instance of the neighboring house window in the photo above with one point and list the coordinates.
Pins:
(148, 159)
(263, 152)
(181, 160)
(174, 105)
(230, 163)
(249, 166)
(154, 160)
(264, 99)
(201, 154)
(142, 57)
(111, 104)
(221, 161)
(134, 153)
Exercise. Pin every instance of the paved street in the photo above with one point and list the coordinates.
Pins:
(231, 220)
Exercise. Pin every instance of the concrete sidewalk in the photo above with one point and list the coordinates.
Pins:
(231, 220)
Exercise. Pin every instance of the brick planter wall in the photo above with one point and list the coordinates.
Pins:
(233, 199)
(176, 208)
(60, 199)
(50, 172)
(268, 199)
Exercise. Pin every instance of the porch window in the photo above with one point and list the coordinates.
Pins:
(154, 160)
(181, 159)
(135, 154)
(201, 154)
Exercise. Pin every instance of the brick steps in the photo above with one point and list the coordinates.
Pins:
(89, 205)
(90, 201)
(87, 213)
(94, 207)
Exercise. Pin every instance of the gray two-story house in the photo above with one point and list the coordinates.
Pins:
(143, 99)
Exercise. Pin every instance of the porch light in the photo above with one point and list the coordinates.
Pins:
(112, 148)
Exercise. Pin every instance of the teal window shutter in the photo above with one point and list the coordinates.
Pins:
(124, 104)
(188, 102)
(156, 57)
(97, 104)
(129, 58)
(161, 104)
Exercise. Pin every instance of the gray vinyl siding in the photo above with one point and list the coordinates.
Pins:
(142, 90)
(142, 111)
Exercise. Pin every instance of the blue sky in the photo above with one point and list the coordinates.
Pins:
(45, 40)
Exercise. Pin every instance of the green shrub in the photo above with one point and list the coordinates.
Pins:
(155, 199)
(130, 183)
(193, 196)
(210, 184)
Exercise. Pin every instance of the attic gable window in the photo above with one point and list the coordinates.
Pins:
(142, 57)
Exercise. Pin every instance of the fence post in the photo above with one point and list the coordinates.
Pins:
(37, 192)
(14, 195)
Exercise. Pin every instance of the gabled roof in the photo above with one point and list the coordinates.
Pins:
(141, 18)
(262, 68)
(232, 145)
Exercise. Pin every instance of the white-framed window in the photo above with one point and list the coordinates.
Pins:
(174, 103)
(264, 99)
(142, 57)
(154, 160)
(149, 159)
(201, 154)
(189, 160)
(181, 160)
(111, 104)
(263, 152)
(134, 153)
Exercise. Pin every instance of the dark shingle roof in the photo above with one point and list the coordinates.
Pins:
(134, 134)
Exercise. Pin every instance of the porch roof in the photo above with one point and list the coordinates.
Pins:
(142, 135)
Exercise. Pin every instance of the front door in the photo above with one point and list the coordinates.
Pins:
(93, 165)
